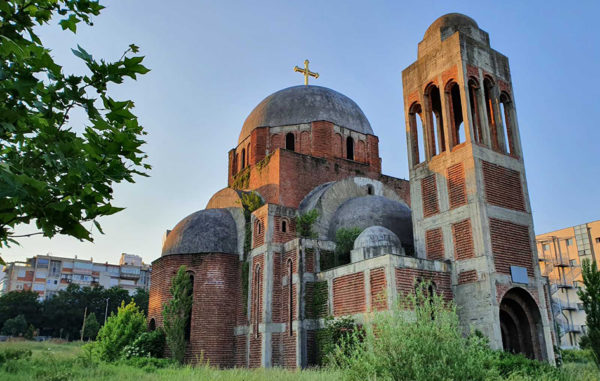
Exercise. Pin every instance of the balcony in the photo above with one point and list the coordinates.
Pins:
(575, 328)
(564, 285)
(568, 306)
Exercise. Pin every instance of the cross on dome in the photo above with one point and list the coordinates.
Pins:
(306, 72)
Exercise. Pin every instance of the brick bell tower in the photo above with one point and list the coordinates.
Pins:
(468, 186)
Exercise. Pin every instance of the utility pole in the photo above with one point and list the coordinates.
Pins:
(83, 325)
(106, 310)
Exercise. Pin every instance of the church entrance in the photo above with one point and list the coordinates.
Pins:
(521, 324)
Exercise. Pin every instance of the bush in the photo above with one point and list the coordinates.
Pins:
(336, 332)
(580, 356)
(120, 330)
(15, 326)
(148, 344)
(14, 354)
(417, 339)
(305, 222)
(508, 364)
(344, 243)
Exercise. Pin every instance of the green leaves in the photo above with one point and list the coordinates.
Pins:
(51, 175)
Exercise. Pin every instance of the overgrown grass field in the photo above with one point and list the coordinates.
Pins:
(53, 361)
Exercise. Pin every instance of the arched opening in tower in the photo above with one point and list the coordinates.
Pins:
(521, 324)
(505, 113)
(490, 100)
(474, 103)
(349, 148)
(456, 120)
(188, 323)
(290, 142)
(435, 129)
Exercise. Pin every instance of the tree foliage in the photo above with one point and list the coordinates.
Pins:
(15, 326)
(120, 330)
(23, 303)
(53, 173)
(344, 243)
(590, 297)
(91, 327)
(176, 313)
(304, 224)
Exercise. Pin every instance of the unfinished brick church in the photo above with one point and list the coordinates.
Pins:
(463, 221)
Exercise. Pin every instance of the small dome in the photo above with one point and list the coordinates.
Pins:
(452, 21)
(206, 231)
(305, 104)
(366, 211)
(376, 236)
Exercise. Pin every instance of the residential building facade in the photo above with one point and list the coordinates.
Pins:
(47, 274)
(561, 253)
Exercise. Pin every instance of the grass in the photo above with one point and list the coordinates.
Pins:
(54, 361)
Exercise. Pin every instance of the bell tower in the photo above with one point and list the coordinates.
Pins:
(468, 186)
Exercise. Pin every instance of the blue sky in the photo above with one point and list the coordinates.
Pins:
(213, 61)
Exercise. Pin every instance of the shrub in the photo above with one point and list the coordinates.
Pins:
(91, 327)
(30, 332)
(305, 222)
(120, 330)
(419, 338)
(580, 356)
(176, 313)
(14, 354)
(15, 326)
(148, 344)
(590, 297)
(337, 332)
(344, 243)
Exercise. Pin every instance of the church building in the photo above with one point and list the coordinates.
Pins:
(463, 221)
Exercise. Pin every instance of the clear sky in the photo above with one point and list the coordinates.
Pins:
(213, 61)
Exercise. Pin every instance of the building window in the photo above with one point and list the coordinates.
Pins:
(283, 226)
(490, 101)
(456, 116)
(545, 247)
(415, 121)
(152, 325)
(370, 190)
(289, 142)
(290, 267)
(569, 241)
(188, 324)
(573, 262)
(256, 300)
(435, 124)
(349, 148)
(506, 114)
(597, 239)
(475, 117)
(243, 158)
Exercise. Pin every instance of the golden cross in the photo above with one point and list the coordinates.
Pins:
(306, 72)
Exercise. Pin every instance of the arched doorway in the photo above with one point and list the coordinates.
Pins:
(521, 324)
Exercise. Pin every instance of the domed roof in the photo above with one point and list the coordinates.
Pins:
(454, 21)
(205, 231)
(376, 236)
(305, 104)
(366, 211)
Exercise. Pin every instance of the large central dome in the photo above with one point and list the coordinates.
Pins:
(305, 104)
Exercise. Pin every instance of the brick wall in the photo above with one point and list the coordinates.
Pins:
(503, 186)
(349, 294)
(322, 132)
(429, 196)
(457, 191)
(378, 288)
(511, 246)
(406, 280)
(216, 300)
(468, 276)
(434, 244)
(279, 235)
(463, 240)
(240, 351)
(309, 260)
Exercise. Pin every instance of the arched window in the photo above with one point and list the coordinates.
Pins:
(256, 299)
(234, 165)
(416, 132)
(243, 158)
(290, 141)
(258, 227)
(506, 114)
(370, 190)
(435, 129)
(456, 117)
(283, 226)
(474, 103)
(188, 323)
(290, 268)
(152, 325)
(349, 148)
(490, 101)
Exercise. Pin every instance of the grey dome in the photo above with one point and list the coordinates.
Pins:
(305, 104)
(376, 236)
(366, 211)
(205, 231)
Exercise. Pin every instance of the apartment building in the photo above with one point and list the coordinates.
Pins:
(560, 254)
(47, 274)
